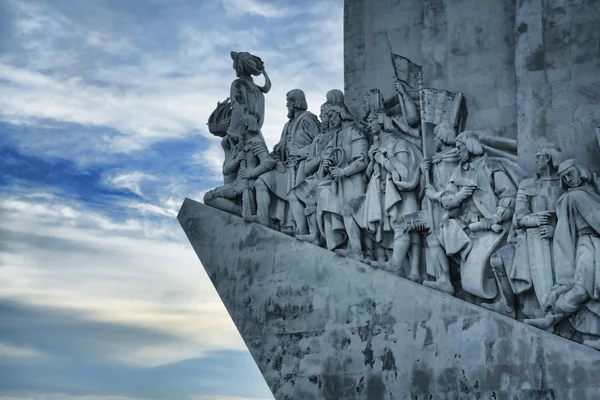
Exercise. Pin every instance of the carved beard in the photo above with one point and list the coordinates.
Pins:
(291, 112)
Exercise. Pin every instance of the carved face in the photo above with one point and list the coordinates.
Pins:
(374, 126)
(541, 161)
(365, 106)
(462, 148)
(572, 177)
(324, 117)
(290, 103)
(335, 120)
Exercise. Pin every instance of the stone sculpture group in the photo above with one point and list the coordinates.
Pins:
(467, 220)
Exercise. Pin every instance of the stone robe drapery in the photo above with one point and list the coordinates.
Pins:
(530, 270)
(307, 191)
(338, 198)
(299, 132)
(442, 167)
(577, 252)
(494, 196)
(246, 98)
(384, 203)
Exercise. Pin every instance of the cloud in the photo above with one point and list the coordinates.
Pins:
(102, 136)
(153, 96)
(60, 253)
(129, 181)
(260, 8)
(11, 352)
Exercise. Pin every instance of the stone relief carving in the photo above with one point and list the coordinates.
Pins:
(406, 189)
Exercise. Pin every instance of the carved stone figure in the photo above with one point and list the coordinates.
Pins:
(245, 158)
(408, 121)
(345, 161)
(290, 154)
(392, 193)
(246, 97)
(576, 294)
(524, 267)
(372, 102)
(438, 168)
(305, 194)
(479, 197)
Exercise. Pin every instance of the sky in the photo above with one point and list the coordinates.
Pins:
(103, 110)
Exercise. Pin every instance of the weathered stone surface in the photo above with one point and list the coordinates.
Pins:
(464, 46)
(326, 327)
(557, 61)
(528, 69)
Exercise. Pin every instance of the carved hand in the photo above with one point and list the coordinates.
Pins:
(544, 219)
(280, 167)
(486, 224)
(240, 156)
(242, 173)
(380, 158)
(376, 173)
(372, 151)
(547, 232)
(425, 165)
(431, 193)
(399, 87)
(337, 172)
(466, 191)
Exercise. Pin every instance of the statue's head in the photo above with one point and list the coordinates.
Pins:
(548, 155)
(246, 64)
(295, 100)
(249, 124)
(339, 113)
(373, 101)
(379, 122)
(444, 135)
(468, 145)
(573, 174)
(334, 96)
(323, 116)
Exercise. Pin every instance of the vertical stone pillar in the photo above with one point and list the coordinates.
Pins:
(369, 25)
(557, 62)
(468, 46)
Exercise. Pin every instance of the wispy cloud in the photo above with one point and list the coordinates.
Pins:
(102, 135)
(261, 8)
(74, 261)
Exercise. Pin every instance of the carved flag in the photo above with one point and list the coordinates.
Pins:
(406, 70)
(440, 106)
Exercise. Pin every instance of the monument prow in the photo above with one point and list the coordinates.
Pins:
(321, 326)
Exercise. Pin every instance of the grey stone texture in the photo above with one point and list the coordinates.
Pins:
(320, 326)
(529, 69)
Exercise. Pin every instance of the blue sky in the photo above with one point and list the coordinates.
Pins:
(103, 106)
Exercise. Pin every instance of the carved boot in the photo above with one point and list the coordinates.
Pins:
(415, 258)
(500, 308)
(442, 286)
(313, 236)
(350, 254)
(354, 236)
(388, 266)
(506, 304)
(258, 220)
(547, 322)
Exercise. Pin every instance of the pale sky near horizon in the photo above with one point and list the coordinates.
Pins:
(103, 106)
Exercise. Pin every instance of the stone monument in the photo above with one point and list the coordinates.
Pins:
(436, 237)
